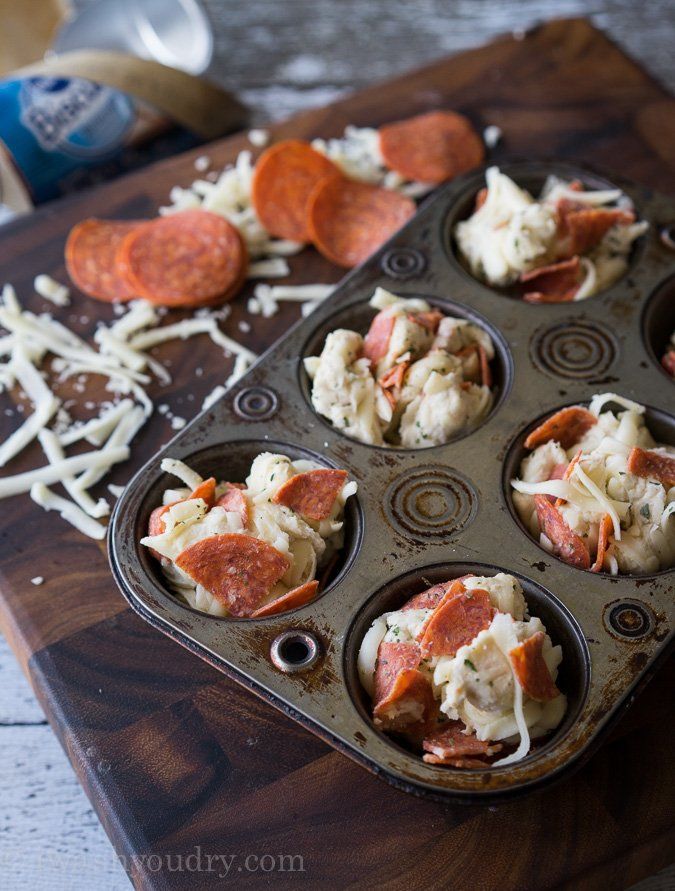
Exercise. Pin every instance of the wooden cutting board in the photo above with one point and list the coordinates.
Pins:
(178, 760)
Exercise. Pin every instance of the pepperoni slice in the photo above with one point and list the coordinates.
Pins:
(448, 743)
(604, 533)
(156, 524)
(566, 426)
(236, 501)
(349, 220)
(205, 490)
(569, 470)
(531, 669)
(430, 598)
(91, 252)
(192, 258)
(429, 320)
(588, 227)
(557, 283)
(567, 545)
(652, 465)
(558, 472)
(456, 621)
(392, 382)
(484, 364)
(392, 658)
(238, 570)
(668, 362)
(409, 702)
(376, 342)
(283, 180)
(312, 494)
(291, 600)
(431, 147)
(481, 198)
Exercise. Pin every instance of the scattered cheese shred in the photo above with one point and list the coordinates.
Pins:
(70, 512)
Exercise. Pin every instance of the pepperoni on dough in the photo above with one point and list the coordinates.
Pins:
(392, 382)
(448, 744)
(604, 534)
(192, 258)
(291, 600)
(567, 545)
(409, 702)
(430, 598)
(91, 252)
(566, 426)
(235, 500)
(376, 342)
(652, 465)
(557, 283)
(589, 226)
(283, 180)
(456, 621)
(531, 669)
(238, 570)
(393, 657)
(349, 220)
(431, 147)
(312, 494)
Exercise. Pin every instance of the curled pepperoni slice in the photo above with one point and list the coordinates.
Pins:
(569, 470)
(652, 465)
(481, 198)
(448, 743)
(283, 180)
(566, 426)
(483, 362)
(291, 600)
(312, 494)
(235, 500)
(456, 621)
(557, 283)
(430, 598)
(392, 382)
(205, 490)
(604, 533)
(410, 701)
(392, 658)
(349, 220)
(589, 226)
(238, 570)
(376, 342)
(91, 252)
(429, 320)
(566, 544)
(531, 669)
(431, 147)
(192, 258)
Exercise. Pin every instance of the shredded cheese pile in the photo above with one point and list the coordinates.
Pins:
(119, 353)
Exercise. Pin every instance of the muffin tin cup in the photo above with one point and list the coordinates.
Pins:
(434, 511)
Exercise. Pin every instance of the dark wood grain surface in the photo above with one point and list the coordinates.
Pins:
(173, 756)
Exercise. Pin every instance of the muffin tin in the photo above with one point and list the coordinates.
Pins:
(421, 516)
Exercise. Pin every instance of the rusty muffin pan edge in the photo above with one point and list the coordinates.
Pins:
(430, 513)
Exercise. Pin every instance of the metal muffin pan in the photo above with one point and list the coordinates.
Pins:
(430, 514)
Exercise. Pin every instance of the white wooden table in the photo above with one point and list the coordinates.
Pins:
(280, 56)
